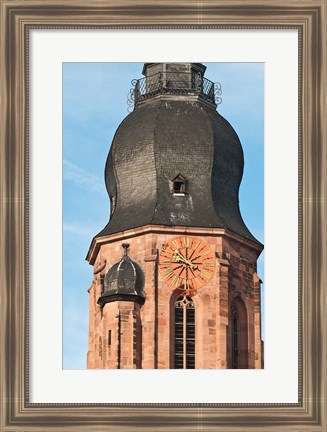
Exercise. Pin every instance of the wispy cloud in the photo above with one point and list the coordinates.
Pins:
(87, 181)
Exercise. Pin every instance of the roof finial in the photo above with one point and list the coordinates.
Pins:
(125, 246)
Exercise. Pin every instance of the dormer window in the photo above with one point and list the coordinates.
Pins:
(179, 186)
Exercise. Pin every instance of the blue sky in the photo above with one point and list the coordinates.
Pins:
(94, 104)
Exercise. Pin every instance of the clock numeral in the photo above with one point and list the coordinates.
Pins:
(167, 272)
(175, 243)
(169, 278)
(166, 247)
(186, 241)
(203, 254)
(201, 249)
(201, 276)
(165, 262)
(208, 270)
(196, 283)
(165, 255)
(175, 280)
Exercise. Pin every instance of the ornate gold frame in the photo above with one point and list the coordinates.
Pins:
(17, 17)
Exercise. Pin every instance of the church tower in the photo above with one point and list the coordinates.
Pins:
(175, 282)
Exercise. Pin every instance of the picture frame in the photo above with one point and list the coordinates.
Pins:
(309, 18)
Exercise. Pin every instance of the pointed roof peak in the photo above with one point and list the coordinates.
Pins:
(125, 246)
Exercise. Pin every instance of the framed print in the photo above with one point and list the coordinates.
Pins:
(39, 42)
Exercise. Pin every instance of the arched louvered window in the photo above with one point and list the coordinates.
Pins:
(184, 333)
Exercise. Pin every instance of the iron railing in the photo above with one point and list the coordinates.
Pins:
(175, 83)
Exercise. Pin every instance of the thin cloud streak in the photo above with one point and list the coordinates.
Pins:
(83, 179)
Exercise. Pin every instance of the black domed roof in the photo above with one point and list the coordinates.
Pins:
(123, 281)
(169, 135)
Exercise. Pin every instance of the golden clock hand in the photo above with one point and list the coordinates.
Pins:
(189, 262)
(180, 257)
(184, 259)
(177, 258)
(191, 265)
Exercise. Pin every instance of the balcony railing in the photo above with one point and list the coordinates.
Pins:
(173, 83)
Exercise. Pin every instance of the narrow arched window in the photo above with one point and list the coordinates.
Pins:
(100, 347)
(184, 333)
(235, 340)
(102, 283)
(239, 354)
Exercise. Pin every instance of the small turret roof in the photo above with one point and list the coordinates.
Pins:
(123, 281)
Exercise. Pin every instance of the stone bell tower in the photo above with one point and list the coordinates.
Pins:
(175, 282)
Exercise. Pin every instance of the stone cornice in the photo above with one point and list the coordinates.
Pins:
(97, 242)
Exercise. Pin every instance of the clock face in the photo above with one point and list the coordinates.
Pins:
(186, 262)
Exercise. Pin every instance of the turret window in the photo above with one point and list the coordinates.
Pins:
(102, 283)
(109, 337)
(179, 186)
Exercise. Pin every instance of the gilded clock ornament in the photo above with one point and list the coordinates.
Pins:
(187, 262)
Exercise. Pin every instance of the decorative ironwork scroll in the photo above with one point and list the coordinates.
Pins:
(174, 83)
